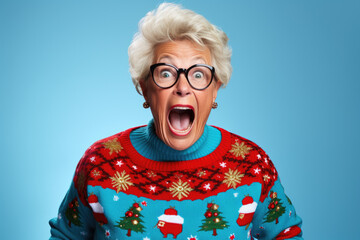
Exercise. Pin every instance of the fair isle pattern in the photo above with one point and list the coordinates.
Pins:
(107, 164)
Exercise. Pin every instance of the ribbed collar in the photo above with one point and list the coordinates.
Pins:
(147, 144)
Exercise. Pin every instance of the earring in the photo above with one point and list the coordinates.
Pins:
(214, 105)
(146, 105)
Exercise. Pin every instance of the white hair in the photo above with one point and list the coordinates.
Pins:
(171, 22)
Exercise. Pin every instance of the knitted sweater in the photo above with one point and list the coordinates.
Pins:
(232, 193)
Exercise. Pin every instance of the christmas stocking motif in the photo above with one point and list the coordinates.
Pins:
(132, 221)
(170, 222)
(276, 209)
(97, 209)
(246, 212)
(213, 219)
(72, 213)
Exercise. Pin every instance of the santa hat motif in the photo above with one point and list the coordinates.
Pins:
(246, 211)
(98, 210)
(249, 206)
(170, 216)
(94, 204)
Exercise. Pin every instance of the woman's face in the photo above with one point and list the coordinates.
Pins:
(180, 112)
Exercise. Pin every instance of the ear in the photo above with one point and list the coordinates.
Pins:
(143, 86)
(216, 89)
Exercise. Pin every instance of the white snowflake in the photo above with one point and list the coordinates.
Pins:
(107, 233)
(152, 188)
(83, 233)
(258, 156)
(116, 198)
(266, 161)
(92, 159)
(236, 194)
(119, 163)
(223, 164)
(257, 170)
(134, 167)
(207, 186)
(59, 216)
(192, 238)
(146, 238)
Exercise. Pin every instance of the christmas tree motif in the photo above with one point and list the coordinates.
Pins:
(170, 223)
(132, 220)
(276, 209)
(213, 219)
(72, 213)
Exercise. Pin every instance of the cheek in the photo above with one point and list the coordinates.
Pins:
(158, 103)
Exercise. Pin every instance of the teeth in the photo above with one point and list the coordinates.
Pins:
(182, 108)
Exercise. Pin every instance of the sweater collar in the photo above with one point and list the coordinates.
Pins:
(148, 144)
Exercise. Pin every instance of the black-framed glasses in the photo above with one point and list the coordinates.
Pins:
(199, 76)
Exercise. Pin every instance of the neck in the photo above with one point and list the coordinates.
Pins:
(147, 143)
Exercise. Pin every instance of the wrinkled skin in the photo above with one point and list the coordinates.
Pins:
(182, 54)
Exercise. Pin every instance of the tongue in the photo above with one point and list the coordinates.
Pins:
(180, 120)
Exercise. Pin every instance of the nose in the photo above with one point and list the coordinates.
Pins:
(182, 87)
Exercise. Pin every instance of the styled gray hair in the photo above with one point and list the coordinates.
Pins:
(170, 22)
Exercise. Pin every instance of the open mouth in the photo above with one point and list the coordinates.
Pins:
(181, 119)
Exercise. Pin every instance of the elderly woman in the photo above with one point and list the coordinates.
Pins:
(177, 177)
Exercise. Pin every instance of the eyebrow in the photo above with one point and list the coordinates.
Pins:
(170, 59)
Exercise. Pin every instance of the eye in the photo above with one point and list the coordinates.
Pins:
(165, 74)
(198, 75)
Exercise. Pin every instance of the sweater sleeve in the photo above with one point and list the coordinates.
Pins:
(275, 217)
(74, 220)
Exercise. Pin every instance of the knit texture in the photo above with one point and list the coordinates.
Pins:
(232, 193)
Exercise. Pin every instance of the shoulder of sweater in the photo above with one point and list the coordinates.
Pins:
(255, 151)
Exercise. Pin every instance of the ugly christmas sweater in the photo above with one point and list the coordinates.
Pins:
(231, 193)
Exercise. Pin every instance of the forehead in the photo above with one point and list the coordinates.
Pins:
(182, 50)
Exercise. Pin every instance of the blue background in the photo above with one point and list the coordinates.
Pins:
(294, 90)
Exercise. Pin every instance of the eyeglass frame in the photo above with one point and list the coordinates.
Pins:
(185, 71)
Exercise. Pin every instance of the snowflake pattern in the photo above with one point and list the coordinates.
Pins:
(119, 163)
(107, 233)
(116, 198)
(152, 188)
(121, 181)
(113, 145)
(151, 174)
(207, 186)
(192, 238)
(266, 178)
(233, 177)
(257, 170)
(239, 149)
(180, 189)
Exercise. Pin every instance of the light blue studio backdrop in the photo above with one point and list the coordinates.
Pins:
(294, 91)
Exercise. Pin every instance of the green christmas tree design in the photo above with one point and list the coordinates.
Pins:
(213, 219)
(276, 209)
(72, 213)
(132, 220)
